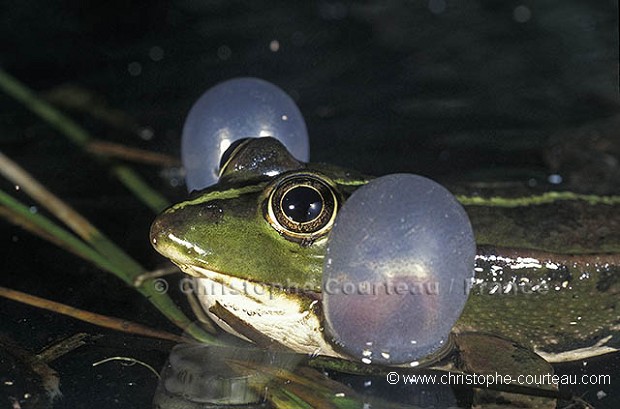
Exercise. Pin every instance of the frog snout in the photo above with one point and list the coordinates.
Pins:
(159, 230)
(168, 224)
(182, 223)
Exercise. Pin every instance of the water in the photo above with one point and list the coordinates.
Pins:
(486, 90)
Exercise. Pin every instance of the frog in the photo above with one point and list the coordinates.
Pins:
(546, 274)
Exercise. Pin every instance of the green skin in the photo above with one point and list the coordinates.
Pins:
(560, 298)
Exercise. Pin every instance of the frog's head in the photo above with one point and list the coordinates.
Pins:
(265, 221)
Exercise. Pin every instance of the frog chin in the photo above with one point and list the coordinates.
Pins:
(290, 320)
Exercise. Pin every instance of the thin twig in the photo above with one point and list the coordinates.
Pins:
(124, 267)
(80, 137)
(131, 360)
(63, 347)
(87, 316)
(130, 154)
(13, 172)
(37, 224)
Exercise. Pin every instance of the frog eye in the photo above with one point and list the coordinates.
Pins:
(232, 110)
(399, 261)
(302, 207)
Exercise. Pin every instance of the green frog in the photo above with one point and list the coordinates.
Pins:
(547, 272)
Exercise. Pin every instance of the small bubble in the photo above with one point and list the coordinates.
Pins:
(521, 14)
(17, 187)
(532, 182)
(224, 52)
(134, 68)
(284, 118)
(33, 209)
(274, 45)
(173, 175)
(156, 53)
(146, 133)
(414, 364)
(554, 179)
(366, 361)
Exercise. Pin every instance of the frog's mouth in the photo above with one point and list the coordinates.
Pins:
(254, 290)
(258, 312)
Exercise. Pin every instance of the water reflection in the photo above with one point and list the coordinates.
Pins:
(200, 376)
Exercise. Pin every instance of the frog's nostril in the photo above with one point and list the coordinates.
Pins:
(166, 223)
(157, 232)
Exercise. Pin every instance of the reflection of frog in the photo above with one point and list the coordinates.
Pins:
(258, 263)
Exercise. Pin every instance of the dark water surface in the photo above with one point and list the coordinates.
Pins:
(455, 90)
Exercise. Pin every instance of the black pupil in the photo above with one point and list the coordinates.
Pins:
(302, 204)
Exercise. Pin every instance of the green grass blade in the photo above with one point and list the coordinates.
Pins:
(118, 262)
(80, 137)
(47, 229)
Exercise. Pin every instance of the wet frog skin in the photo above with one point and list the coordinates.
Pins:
(546, 275)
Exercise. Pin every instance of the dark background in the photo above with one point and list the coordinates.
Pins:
(461, 91)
